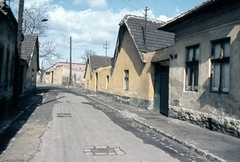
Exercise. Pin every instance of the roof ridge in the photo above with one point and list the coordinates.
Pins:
(128, 16)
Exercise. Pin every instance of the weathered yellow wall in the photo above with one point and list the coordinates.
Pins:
(152, 58)
(102, 78)
(141, 75)
(139, 72)
(90, 82)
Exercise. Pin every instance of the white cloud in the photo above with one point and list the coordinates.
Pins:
(36, 2)
(96, 4)
(87, 28)
(163, 18)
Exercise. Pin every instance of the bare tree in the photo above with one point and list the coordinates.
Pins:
(33, 20)
(47, 51)
(84, 57)
(34, 23)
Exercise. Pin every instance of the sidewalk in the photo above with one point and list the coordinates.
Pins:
(213, 145)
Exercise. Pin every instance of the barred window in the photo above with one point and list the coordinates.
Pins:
(220, 66)
(192, 63)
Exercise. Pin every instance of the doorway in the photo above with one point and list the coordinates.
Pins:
(161, 88)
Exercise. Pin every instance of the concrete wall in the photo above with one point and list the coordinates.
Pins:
(217, 111)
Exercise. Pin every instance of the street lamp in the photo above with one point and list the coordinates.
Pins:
(44, 20)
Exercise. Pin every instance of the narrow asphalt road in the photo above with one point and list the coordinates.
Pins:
(66, 126)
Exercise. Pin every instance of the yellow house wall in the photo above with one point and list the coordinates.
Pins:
(90, 79)
(141, 75)
(139, 72)
(103, 72)
(152, 58)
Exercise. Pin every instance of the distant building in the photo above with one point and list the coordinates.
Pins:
(8, 54)
(93, 63)
(58, 74)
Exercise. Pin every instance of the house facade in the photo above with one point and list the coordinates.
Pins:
(134, 62)
(130, 78)
(93, 76)
(58, 74)
(204, 66)
(8, 54)
(29, 63)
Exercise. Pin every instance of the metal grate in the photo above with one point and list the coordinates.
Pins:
(62, 115)
(103, 150)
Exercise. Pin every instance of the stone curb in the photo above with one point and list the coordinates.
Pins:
(199, 151)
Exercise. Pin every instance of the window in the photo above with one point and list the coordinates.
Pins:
(192, 63)
(126, 79)
(220, 66)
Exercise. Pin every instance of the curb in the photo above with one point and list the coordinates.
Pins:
(199, 151)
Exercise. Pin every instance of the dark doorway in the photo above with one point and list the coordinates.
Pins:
(52, 77)
(96, 81)
(161, 88)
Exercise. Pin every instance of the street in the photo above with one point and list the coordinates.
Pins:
(68, 127)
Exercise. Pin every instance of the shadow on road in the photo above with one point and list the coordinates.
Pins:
(24, 110)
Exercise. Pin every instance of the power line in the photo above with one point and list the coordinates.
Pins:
(91, 24)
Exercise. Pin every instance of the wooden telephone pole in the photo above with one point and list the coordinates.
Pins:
(70, 72)
(106, 46)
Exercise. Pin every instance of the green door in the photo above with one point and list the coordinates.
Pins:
(161, 89)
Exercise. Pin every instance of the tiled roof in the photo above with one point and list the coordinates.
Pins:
(96, 61)
(28, 46)
(155, 39)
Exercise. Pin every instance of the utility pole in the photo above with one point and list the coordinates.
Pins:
(17, 86)
(70, 73)
(145, 30)
(106, 46)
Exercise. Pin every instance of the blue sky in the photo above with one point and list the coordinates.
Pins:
(92, 22)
